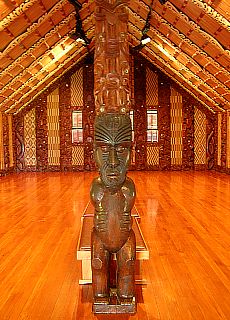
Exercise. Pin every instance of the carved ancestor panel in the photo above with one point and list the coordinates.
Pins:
(188, 134)
(228, 139)
(199, 138)
(210, 141)
(164, 122)
(42, 133)
(2, 161)
(111, 61)
(88, 116)
(19, 141)
(140, 120)
(176, 127)
(30, 139)
(219, 118)
(65, 125)
(53, 128)
(11, 151)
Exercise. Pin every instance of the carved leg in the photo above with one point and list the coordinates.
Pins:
(100, 274)
(126, 269)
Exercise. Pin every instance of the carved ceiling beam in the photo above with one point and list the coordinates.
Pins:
(153, 56)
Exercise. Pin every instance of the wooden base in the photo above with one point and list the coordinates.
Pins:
(115, 306)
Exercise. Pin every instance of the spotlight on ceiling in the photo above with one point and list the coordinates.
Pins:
(145, 39)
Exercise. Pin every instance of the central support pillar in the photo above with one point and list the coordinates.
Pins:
(112, 192)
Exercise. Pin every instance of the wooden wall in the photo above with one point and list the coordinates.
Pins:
(6, 144)
(190, 135)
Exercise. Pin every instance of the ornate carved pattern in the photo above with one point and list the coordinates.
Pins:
(176, 127)
(111, 62)
(228, 139)
(195, 27)
(65, 125)
(77, 88)
(188, 134)
(2, 162)
(6, 141)
(212, 13)
(151, 88)
(210, 143)
(17, 41)
(19, 142)
(16, 13)
(224, 141)
(219, 120)
(140, 112)
(164, 122)
(30, 139)
(11, 151)
(53, 128)
(88, 116)
(76, 56)
(199, 137)
(42, 134)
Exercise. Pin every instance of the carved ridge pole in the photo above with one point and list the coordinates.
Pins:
(112, 192)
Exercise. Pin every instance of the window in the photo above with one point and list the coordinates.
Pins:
(152, 129)
(77, 129)
(131, 114)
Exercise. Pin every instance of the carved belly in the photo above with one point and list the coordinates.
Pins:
(113, 229)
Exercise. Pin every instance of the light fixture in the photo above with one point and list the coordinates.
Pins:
(79, 34)
(145, 39)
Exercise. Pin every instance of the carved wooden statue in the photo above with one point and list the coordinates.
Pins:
(112, 193)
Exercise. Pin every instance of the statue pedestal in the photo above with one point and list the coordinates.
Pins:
(115, 306)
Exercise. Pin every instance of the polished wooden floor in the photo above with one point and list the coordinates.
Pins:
(186, 224)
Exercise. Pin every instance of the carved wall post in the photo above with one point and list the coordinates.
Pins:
(112, 193)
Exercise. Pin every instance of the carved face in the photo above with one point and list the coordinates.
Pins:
(112, 147)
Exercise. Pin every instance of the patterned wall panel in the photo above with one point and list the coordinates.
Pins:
(77, 88)
(88, 116)
(11, 151)
(78, 156)
(219, 139)
(188, 133)
(30, 138)
(53, 128)
(41, 132)
(2, 162)
(228, 139)
(152, 155)
(164, 122)
(199, 137)
(224, 141)
(151, 88)
(65, 125)
(176, 127)
(140, 112)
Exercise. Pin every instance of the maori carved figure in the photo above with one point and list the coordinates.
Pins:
(113, 195)
(111, 61)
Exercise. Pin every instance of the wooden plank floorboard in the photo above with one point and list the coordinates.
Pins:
(185, 222)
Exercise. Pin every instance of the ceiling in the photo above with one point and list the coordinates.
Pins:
(190, 42)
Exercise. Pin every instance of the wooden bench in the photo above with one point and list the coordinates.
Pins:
(84, 245)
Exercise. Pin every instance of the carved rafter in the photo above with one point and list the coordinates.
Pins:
(190, 41)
